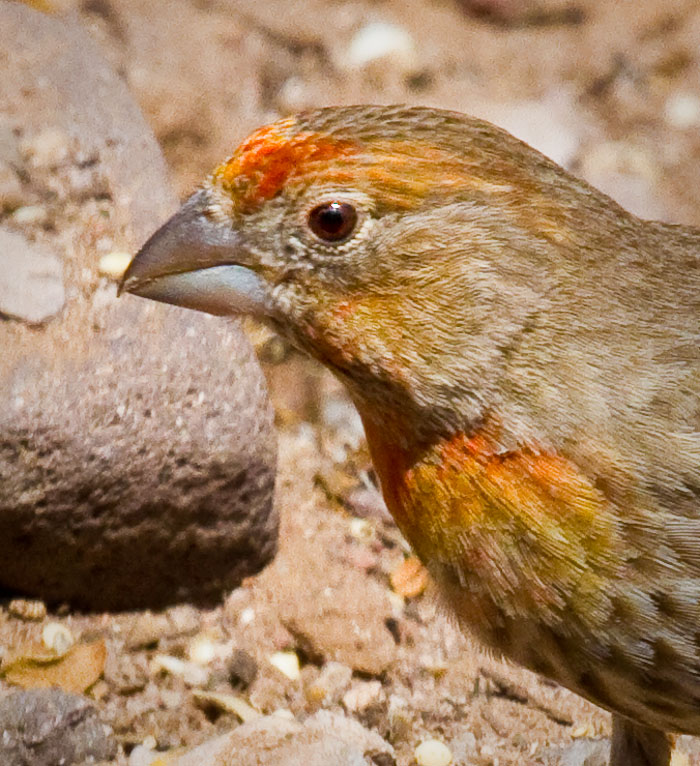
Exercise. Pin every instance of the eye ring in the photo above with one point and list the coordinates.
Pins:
(333, 221)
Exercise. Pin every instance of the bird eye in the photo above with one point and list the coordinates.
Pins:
(333, 221)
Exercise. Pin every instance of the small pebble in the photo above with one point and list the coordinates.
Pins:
(398, 603)
(229, 703)
(410, 578)
(57, 637)
(293, 96)
(367, 502)
(432, 752)
(26, 609)
(362, 529)
(11, 193)
(172, 699)
(31, 215)
(48, 149)
(400, 718)
(242, 669)
(584, 730)
(143, 756)
(362, 695)
(683, 110)
(330, 685)
(379, 41)
(202, 650)
(113, 265)
(146, 630)
(31, 279)
(183, 619)
(191, 674)
(247, 616)
(287, 663)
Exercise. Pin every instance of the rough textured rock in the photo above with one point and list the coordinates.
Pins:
(45, 727)
(324, 622)
(582, 752)
(137, 455)
(31, 280)
(595, 752)
(55, 81)
(325, 738)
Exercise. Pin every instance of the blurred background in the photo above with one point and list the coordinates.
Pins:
(609, 90)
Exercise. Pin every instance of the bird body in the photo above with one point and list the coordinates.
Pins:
(525, 357)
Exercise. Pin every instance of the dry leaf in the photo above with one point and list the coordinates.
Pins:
(74, 671)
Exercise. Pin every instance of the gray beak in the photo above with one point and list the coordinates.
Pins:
(194, 261)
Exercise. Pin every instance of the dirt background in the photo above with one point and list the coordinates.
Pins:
(611, 90)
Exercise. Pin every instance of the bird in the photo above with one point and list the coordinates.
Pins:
(524, 356)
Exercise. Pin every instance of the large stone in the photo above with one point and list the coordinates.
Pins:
(45, 727)
(31, 279)
(137, 454)
(324, 738)
(338, 616)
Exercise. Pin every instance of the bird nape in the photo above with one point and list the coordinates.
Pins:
(524, 357)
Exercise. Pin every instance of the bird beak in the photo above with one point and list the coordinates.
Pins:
(195, 262)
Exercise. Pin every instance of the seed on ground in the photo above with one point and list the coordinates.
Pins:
(432, 752)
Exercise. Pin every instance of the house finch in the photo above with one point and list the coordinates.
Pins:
(524, 356)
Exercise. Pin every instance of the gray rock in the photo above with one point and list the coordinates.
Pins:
(31, 279)
(242, 669)
(45, 727)
(56, 80)
(139, 472)
(137, 454)
(323, 621)
(581, 752)
(325, 738)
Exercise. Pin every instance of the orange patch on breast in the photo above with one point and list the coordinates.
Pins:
(534, 486)
(524, 526)
(523, 468)
(476, 461)
(344, 310)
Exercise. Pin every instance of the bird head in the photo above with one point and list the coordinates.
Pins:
(403, 247)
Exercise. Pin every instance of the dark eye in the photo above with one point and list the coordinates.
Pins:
(333, 221)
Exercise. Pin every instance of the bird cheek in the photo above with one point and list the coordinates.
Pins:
(329, 348)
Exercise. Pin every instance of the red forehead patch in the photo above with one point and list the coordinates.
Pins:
(272, 156)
